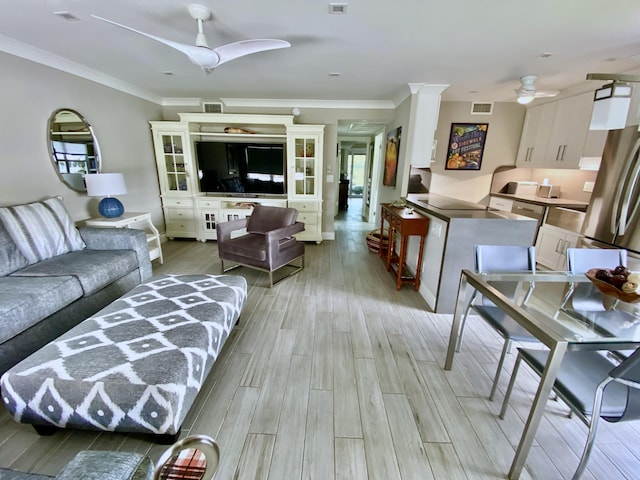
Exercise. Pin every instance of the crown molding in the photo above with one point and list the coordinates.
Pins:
(308, 103)
(42, 57)
(181, 102)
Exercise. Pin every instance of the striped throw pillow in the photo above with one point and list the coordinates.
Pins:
(42, 230)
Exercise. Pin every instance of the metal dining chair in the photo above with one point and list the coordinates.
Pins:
(501, 258)
(592, 386)
(585, 297)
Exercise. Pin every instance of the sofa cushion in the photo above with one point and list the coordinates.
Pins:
(94, 269)
(264, 219)
(41, 230)
(25, 301)
(11, 259)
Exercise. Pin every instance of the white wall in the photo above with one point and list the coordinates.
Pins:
(501, 148)
(29, 93)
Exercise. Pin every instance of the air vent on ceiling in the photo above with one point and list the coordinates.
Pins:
(338, 8)
(481, 108)
(212, 107)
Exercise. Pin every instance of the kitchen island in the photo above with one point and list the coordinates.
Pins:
(455, 227)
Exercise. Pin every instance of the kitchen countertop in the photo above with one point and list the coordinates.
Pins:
(547, 202)
(447, 208)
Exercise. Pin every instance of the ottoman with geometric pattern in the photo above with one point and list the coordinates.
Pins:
(135, 366)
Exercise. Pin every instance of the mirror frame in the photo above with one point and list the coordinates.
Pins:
(204, 443)
(54, 161)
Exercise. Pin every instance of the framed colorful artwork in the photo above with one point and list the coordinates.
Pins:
(391, 158)
(466, 146)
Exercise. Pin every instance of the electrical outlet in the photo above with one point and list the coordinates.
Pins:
(588, 187)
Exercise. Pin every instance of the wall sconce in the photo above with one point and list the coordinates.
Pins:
(611, 106)
(107, 185)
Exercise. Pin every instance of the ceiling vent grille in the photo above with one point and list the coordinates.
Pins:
(338, 8)
(212, 107)
(481, 108)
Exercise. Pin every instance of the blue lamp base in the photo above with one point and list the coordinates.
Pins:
(110, 207)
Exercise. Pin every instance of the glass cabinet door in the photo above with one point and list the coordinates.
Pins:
(174, 163)
(305, 167)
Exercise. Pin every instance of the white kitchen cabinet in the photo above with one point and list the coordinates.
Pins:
(552, 244)
(535, 135)
(569, 131)
(554, 134)
(499, 203)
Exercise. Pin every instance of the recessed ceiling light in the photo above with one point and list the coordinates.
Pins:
(334, 74)
(338, 8)
(66, 15)
(168, 74)
(545, 55)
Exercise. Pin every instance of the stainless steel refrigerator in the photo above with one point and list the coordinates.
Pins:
(613, 216)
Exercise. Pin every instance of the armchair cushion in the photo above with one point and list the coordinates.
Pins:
(264, 219)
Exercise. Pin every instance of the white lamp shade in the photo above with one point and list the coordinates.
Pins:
(105, 184)
(610, 107)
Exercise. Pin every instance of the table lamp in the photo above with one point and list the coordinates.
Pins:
(107, 185)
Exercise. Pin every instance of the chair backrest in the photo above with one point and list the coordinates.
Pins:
(585, 296)
(505, 258)
(579, 260)
(265, 218)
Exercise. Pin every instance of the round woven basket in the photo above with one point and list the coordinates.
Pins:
(373, 241)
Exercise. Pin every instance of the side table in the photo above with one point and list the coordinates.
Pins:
(140, 220)
(404, 222)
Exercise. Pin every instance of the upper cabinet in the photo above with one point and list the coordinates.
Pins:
(305, 162)
(555, 134)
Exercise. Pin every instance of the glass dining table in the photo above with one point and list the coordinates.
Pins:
(560, 329)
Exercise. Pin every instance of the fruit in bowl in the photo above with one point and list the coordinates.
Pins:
(619, 282)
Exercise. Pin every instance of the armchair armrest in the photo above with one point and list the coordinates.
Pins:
(273, 238)
(120, 239)
(628, 370)
(224, 230)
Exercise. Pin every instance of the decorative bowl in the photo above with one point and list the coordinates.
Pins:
(611, 290)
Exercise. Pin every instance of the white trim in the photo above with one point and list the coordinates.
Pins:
(28, 52)
(308, 103)
(181, 102)
(328, 235)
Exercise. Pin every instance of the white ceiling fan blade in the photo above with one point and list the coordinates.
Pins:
(547, 94)
(235, 50)
(201, 56)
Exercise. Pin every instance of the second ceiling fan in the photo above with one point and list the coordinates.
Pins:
(527, 91)
(201, 54)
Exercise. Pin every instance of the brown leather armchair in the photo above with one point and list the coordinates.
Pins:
(269, 243)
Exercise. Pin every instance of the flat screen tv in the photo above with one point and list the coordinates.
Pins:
(241, 169)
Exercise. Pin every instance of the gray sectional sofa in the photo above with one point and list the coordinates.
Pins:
(53, 276)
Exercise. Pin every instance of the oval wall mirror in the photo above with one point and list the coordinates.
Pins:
(194, 458)
(73, 148)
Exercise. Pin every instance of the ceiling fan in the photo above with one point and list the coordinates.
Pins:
(201, 54)
(527, 91)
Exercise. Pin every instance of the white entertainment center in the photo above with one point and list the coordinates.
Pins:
(191, 213)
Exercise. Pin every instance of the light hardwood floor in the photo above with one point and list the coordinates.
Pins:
(333, 374)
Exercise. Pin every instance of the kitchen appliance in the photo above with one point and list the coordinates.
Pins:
(613, 216)
(522, 188)
(548, 191)
(530, 210)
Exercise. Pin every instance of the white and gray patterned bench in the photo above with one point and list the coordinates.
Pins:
(135, 366)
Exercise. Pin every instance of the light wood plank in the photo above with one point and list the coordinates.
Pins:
(319, 459)
(351, 462)
(256, 457)
(346, 415)
(381, 458)
(412, 458)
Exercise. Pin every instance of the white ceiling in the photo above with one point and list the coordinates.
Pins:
(378, 47)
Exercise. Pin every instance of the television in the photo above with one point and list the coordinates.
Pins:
(241, 169)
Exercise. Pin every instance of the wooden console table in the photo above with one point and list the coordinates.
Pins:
(404, 222)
